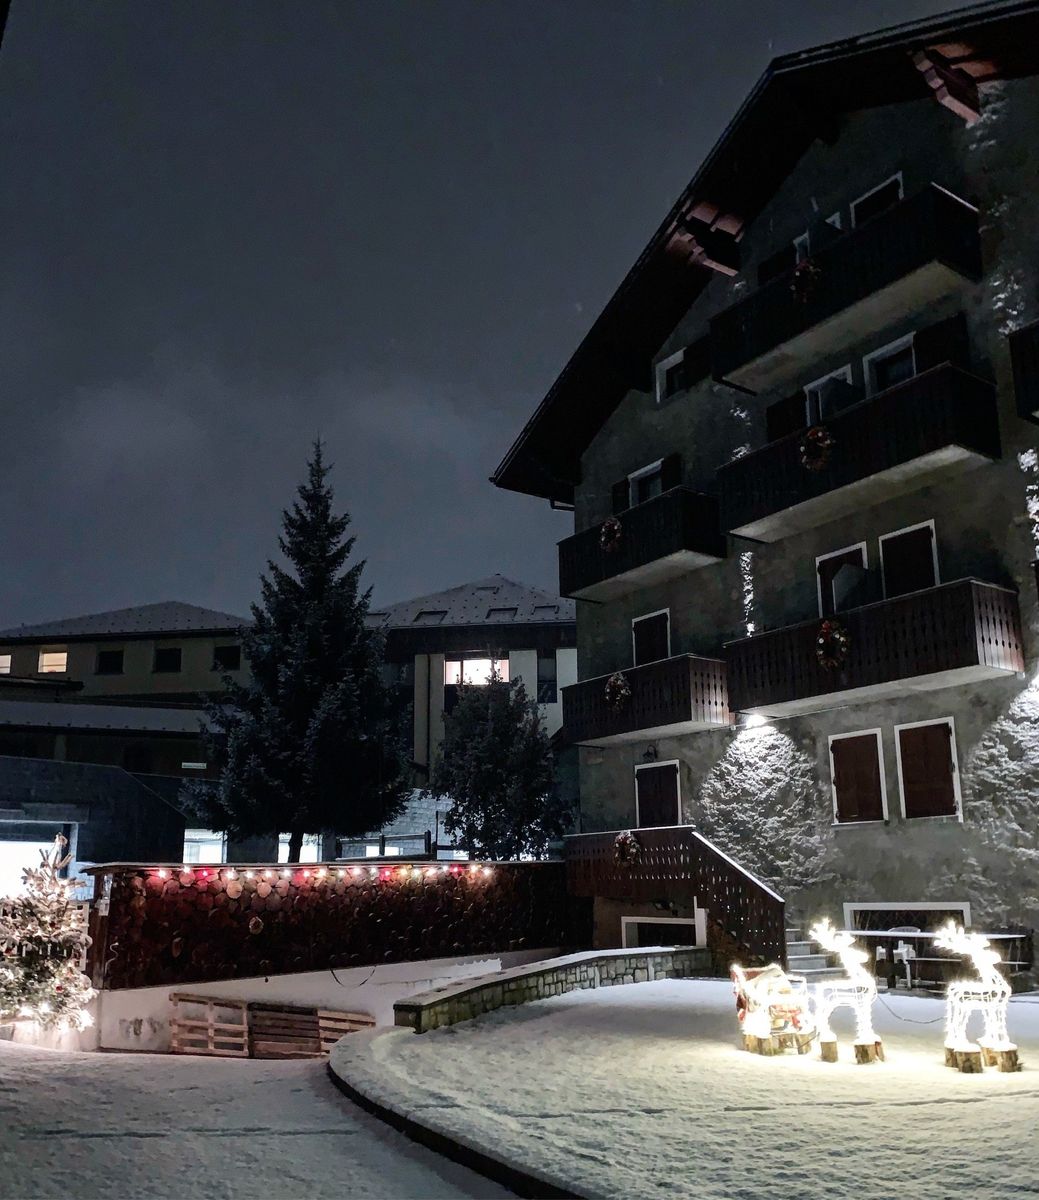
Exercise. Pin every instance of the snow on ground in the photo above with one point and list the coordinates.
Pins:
(642, 1091)
(95, 1126)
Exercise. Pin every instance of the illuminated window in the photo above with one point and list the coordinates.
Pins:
(309, 852)
(53, 662)
(203, 846)
(475, 670)
(5, 664)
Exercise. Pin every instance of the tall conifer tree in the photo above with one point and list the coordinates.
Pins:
(308, 745)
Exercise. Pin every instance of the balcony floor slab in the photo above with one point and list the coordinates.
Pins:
(649, 735)
(658, 571)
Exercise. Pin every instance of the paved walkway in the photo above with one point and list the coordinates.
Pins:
(98, 1126)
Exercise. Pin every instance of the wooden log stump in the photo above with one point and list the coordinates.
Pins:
(988, 1056)
(969, 1062)
(783, 1041)
(950, 1057)
(803, 1042)
(869, 1052)
(828, 1051)
(1007, 1060)
(758, 1045)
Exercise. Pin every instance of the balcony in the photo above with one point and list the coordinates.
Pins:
(952, 634)
(670, 697)
(1024, 355)
(660, 539)
(921, 250)
(929, 427)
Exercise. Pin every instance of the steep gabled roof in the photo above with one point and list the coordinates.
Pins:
(492, 601)
(799, 98)
(169, 617)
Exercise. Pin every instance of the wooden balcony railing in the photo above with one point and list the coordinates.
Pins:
(963, 630)
(745, 917)
(676, 694)
(931, 227)
(944, 409)
(681, 526)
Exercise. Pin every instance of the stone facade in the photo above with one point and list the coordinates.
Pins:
(539, 981)
(764, 794)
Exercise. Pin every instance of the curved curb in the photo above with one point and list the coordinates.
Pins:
(523, 1183)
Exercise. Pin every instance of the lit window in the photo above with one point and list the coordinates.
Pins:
(53, 662)
(203, 846)
(475, 670)
(5, 664)
(309, 852)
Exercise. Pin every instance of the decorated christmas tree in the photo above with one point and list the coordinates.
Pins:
(41, 942)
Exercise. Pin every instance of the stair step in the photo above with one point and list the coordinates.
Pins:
(807, 962)
(793, 934)
(813, 975)
(796, 949)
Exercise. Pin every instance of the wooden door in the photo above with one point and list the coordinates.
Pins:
(908, 561)
(656, 795)
(651, 638)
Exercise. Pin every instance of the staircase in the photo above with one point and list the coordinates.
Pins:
(807, 959)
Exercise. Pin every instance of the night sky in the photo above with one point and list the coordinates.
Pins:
(230, 226)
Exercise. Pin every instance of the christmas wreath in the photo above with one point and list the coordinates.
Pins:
(610, 535)
(804, 280)
(617, 691)
(626, 847)
(816, 447)
(831, 644)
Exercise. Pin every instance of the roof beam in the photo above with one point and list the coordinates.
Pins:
(954, 87)
(709, 240)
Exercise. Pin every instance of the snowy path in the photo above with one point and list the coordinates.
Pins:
(641, 1091)
(113, 1126)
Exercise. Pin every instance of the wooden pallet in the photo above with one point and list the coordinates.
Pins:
(283, 1031)
(208, 1025)
(334, 1025)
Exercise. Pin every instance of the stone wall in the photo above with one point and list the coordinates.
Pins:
(553, 977)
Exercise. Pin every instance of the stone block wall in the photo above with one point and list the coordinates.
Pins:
(553, 977)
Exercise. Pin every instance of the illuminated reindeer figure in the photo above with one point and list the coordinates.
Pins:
(989, 994)
(856, 991)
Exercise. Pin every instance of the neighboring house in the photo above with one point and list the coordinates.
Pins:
(800, 444)
(167, 653)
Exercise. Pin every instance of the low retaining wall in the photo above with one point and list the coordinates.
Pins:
(551, 977)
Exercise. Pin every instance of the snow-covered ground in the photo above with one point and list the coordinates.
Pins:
(642, 1091)
(108, 1127)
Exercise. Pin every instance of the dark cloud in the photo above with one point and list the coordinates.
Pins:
(227, 228)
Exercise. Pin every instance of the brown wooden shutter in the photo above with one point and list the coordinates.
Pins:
(928, 774)
(857, 786)
(650, 638)
(945, 342)
(657, 791)
(908, 561)
(786, 416)
(670, 472)
(620, 496)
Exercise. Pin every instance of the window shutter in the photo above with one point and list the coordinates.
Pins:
(620, 495)
(928, 783)
(785, 416)
(649, 638)
(670, 472)
(657, 789)
(856, 778)
(945, 342)
(908, 562)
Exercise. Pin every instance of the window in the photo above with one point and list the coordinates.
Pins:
(475, 670)
(657, 799)
(203, 846)
(310, 851)
(193, 766)
(109, 662)
(429, 616)
(909, 560)
(857, 777)
(548, 692)
(878, 200)
(166, 660)
(829, 395)
(501, 614)
(834, 220)
(651, 637)
(679, 372)
(647, 483)
(53, 662)
(839, 579)
(802, 247)
(891, 365)
(928, 775)
(227, 658)
(5, 664)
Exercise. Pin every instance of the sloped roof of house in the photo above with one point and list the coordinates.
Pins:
(167, 617)
(799, 98)
(30, 786)
(491, 601)
(41, 714)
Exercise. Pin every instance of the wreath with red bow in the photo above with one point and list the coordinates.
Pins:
(816, 448)
(617, 691)
(831, 644)
(610, 533)
(805, 280)
(626, 848)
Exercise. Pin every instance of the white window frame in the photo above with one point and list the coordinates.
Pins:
(854, 906)
(885, 352)
(839, 737)
(662, 369)
(836, 220)
(635, 476)
(833, 554)
(667, 762)
(645, 617)
(698, 922)
(6, 662)
(947, 817)
(802, 247)
(884, 537)
(43, 650)
(866, 195)
(841, 373)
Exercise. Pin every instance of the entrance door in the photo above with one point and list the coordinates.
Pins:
(657, 795)
(909, 560)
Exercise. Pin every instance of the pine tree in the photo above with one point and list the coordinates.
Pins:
(495, 764)
(41, 942)
(308, 744)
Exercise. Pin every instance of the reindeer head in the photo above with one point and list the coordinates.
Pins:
(974, 945)
(839, 942)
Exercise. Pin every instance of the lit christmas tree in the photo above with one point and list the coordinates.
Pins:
(41, 943)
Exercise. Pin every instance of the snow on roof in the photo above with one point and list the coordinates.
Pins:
(40, 714)
(169, 616)
(491, 601)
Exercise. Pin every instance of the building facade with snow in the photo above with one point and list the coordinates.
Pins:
(801, 446)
